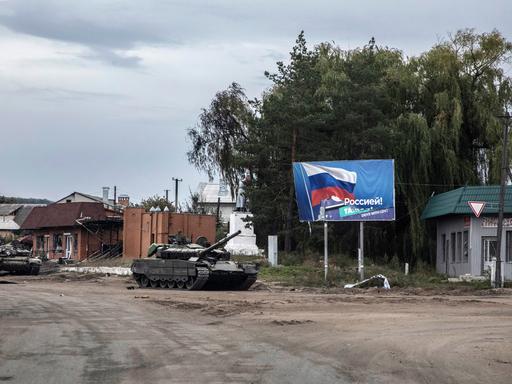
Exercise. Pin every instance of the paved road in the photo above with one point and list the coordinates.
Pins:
(68, 333)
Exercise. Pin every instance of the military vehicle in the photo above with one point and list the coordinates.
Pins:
(193, 267)
(16, 260)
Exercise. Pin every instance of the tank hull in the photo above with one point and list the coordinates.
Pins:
(193, 275)
(20, 265)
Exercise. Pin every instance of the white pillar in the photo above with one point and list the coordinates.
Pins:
(493, 272)
(272, 251)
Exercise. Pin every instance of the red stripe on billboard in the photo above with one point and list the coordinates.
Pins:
(318, 195)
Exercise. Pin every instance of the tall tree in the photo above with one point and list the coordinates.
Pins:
(434, 114)
(220, 133)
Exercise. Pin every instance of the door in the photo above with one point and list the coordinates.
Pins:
(69, 246)
(489, 246)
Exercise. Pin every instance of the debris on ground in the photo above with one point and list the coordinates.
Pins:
(380, 279)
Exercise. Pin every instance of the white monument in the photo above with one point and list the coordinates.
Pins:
(240, 219)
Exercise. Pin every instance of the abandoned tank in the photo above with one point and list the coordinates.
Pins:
(16, 260)
(193, 266)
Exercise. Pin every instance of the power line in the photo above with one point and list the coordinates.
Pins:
(434, 185)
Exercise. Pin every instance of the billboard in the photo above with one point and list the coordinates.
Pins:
(346, 190)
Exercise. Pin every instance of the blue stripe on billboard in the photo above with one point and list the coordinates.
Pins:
(346, 190)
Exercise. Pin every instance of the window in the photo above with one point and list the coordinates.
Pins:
(489, 245)
(40, 243)
(465, 247)
(443, 244)
(508, 253)
(459, 247)
(57, 242)
(453, 246)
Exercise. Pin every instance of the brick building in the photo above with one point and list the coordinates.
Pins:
(74, 230)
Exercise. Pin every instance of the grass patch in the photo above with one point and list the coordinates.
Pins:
(310, 273)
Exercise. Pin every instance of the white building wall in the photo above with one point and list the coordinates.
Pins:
(449, 266)
(487, 226)
(477, 228)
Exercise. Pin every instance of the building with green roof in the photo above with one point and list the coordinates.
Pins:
(466, 236)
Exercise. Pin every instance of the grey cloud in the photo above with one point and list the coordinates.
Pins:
(77, 137)
(56, 93)
(110, 57)
(105, 30)
(108, 28)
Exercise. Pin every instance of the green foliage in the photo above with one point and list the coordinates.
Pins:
(221, 130)
(434, 114)
(154, 202)
(22, 200)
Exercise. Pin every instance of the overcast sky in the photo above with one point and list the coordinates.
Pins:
(101, 93)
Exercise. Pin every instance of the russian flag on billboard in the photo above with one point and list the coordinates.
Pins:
(327, 183)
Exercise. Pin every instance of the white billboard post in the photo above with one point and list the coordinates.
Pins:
(360, 267)
(326, 251)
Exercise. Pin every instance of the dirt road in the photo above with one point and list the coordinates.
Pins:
(65, 330)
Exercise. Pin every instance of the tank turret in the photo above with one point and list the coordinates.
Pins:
(17, 260)
(219, 243)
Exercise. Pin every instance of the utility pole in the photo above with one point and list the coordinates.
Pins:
(167, 195)
(176, 180)
(504, 173)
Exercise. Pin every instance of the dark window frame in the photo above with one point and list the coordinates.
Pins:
(453, 246)
(465, 246)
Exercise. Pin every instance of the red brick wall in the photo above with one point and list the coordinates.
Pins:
(143, 228)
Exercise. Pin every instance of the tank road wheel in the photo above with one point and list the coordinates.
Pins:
(138, 281)
(164, 284)
(154, 283)
(144, 281)
(190, 282)
(180, 284)
(171, 284)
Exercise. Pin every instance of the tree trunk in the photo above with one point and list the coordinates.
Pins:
(289, 216)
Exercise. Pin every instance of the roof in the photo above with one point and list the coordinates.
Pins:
(63, 215)
(211, 192)
(9, 209)
(23, 213)
(19, 212)
(92, 197)
(455, 202)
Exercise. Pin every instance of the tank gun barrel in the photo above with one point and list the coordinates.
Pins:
(220, 243)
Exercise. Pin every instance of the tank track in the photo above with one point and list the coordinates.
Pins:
(247, 283)
(201, 278)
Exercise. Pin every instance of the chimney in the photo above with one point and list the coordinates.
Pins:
(105, 194)
(123, 200)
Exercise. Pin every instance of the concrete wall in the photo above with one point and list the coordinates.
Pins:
(477, 228)
(141, 229)
(487, 226)
(448, 226)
